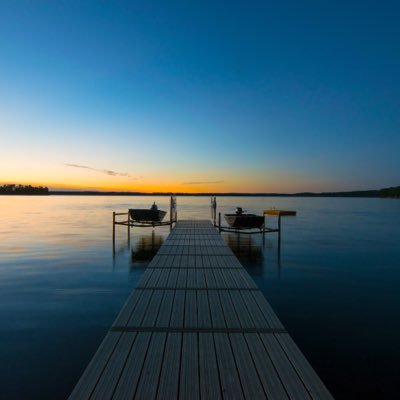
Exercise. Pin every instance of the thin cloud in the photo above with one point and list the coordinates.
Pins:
(203, 183)
(103, 171)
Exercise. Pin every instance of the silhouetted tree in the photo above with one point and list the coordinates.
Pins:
(12, 189)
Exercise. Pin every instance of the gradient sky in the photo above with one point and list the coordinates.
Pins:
(190, 96)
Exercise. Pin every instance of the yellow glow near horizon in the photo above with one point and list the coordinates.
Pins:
(154, 177)
(238, 184)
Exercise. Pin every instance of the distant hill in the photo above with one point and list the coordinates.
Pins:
(387, 192)
(390, 192)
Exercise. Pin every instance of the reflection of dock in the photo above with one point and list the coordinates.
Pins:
(197, 326)
(144, 218)
(248, 223)
(245, 248)
(146, 247)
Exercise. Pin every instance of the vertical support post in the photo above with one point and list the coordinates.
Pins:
(214, 210)
(219, 222)
(264, 231)
(170, 210)
(129, 228)
(170, 213)
(113, 234)
(279, 233)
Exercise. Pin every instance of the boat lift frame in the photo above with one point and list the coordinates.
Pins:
(251, 231)
(173, 217)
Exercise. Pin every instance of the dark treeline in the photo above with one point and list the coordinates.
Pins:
(393, 192)
(390, 192)
(23, 189)
(387, 192)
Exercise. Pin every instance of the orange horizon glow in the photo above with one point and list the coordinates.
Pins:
(151, 178)
(144, 188)
(250, 187)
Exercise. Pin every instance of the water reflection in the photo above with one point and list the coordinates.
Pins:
(248, 250)
(146, 247)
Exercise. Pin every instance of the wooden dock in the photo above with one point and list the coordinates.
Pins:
(196, 326)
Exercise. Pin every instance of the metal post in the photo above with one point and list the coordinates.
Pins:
(214, 209)
(219, 222)
(170, 213)
(113, 234)
(264, 231)
(279, 232)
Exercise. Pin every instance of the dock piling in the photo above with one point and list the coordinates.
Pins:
(113, 232)
(129, 228)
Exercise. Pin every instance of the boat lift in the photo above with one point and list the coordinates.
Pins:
(251, 231)
(130, 222)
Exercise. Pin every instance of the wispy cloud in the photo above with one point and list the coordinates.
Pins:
(103, 171)
(202, 183)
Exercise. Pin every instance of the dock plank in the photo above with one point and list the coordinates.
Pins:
(127, 384)
(178, 309)
(153, 308)
(210, 386)
(127, 309)
(111, 374)
(217, 315)
(231, 387)
(91, 376)
(231, 318)
(291, 381)
(189, 379)
(244, 316)
(190, 309)
(303, 368)
(251, 385)
(270, 379)
(148, 382)
(164, 315)
(203, 310)
(140, 310)
(168, 387)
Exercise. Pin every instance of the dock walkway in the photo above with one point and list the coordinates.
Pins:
(196, 326)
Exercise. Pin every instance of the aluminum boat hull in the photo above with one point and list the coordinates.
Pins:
(244, 221)
(145, 215)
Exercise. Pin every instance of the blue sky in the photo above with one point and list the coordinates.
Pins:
(239, 96)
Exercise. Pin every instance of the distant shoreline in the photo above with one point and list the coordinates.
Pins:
(127, 194)
(392, 192)
(333, 194)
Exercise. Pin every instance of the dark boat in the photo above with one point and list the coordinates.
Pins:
(241, 220)
(147, 215)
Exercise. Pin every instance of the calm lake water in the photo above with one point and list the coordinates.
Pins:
(335, 285)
